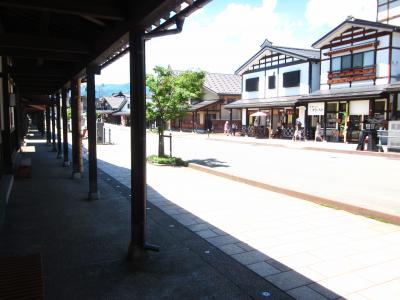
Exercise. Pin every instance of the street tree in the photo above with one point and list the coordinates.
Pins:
(171, 93)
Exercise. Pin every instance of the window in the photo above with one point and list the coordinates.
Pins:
(291, 79)
(252, 84)
(336, 63)
(358, 60)
(346, 62)
(368, 58)
(271, 82)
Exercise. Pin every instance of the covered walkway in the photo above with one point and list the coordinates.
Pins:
(83, 244)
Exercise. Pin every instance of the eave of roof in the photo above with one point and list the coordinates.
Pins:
(280, 49)
(351, 22)
(264, 102)
(202, 105)
(346, 93)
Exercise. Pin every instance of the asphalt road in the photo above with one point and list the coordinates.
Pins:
(365, 181)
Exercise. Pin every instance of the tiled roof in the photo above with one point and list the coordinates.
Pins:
(310, 53)
(115, 102)
(223, 84)
(202, 104)
(305, 54)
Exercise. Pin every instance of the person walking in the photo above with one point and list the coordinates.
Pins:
(234, 128)
(318, 132)
(226, 128)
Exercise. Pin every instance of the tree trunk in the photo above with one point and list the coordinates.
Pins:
(161, 140)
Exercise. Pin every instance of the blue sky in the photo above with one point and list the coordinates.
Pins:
(226, 33)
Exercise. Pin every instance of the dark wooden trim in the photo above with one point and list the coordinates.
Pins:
(86, 8)
(390, 58)
(53, 123)
(92, 134)
(275, 67)
(65, 126)
(58, 107)
(368, 37)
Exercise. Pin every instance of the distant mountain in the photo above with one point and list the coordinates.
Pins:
(106, 90)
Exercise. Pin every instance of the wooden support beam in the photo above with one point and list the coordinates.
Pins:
(65, 127)
(92, 133)
(42, 43)
(53, 123)
(77, 159)
(40, 72)
(81, 8)
(58, 106)
(47, 55)
(138, 244)
(48, 130)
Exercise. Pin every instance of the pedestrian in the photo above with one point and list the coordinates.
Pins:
(297, 133)
(318, 132)
(226, 128)
(234, 128)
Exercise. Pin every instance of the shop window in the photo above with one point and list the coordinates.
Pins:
(331, 107)
(271, 82)
(291, 79)
(252, 84)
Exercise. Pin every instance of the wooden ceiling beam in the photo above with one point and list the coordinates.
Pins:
(72, 7)
(47, 55)
(29, 42)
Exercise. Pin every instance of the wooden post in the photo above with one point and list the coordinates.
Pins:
(77, 160)
(138, 244)
(53, 123)
(58, 106)
(92, 134)
(48, 130)
(6, 133)
(65, 127)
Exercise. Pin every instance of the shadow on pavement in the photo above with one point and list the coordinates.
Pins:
(209, 162)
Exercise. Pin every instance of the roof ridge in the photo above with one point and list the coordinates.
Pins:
(307, 49)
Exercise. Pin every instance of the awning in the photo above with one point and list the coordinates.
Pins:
(264, 102)
(394, 87)
(202, 105)
(121, 113)
(365, 92)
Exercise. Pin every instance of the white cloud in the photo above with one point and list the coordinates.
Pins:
(222, 43)
(225, 42)
(332, 13)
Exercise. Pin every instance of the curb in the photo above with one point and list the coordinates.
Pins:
(392, 155)
(365, 212)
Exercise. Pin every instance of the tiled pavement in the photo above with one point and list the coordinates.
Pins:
(310, 251)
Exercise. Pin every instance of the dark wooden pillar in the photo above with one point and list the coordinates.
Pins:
(65, 127)
(193, 122)
(77, 162)
(138, 244)
(394, 106)
(92, 135)
(48, 130)
(325, 119)
(247, 117)
(230, 117)
(53, 123)
(6, 133)
(58, 106)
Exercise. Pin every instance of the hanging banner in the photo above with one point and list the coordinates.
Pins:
(316, 109)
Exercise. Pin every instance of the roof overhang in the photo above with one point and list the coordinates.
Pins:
(348, 24)
(358, 93)
(289, 101)
(202, 105)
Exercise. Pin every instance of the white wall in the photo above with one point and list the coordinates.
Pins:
(395, 65)
(303, 89)
(209, 95)
(315, 77)
(261, 84)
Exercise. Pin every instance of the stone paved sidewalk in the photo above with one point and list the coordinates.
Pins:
(310, 251)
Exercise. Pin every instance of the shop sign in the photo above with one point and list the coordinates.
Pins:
(316, 109)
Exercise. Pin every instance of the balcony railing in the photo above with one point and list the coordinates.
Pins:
(355, 74)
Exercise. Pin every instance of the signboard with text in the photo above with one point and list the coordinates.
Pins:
(316, 109)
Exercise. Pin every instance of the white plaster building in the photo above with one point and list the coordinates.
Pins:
(272, 81)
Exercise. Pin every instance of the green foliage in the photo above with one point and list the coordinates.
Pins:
(69, 113)
(171, 93)
(166, 160)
